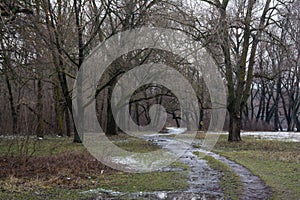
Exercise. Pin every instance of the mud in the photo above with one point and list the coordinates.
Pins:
(253, 187)
(202, 180)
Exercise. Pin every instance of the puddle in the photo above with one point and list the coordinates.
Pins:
(144, 162)
(202, 180)
(167, 195)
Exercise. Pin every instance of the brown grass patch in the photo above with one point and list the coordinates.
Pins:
(69, 170)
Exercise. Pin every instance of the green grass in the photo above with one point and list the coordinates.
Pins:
(154, 181)
(37, 187)
(230, 182)
(276, 162)
(179, 165)
(122, 182)
(55, 145)
(136, 145)
(45, 147)
(53, 194)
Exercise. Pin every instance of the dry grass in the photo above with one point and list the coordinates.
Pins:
(67, 170)
(61, 169)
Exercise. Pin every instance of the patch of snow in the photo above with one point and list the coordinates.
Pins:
(171, 131)
(125, 160)
(102, 190)
(281, 135)
(174, 130)
(142, 162)
(269, 135)
(284, 136)
(162, 195)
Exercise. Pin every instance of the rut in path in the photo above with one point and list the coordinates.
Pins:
(203, 181)
(253, 187)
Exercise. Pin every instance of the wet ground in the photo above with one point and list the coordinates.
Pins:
(203, 181)
(253, 187)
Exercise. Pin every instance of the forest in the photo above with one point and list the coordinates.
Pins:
(255, 45)
(44, 43)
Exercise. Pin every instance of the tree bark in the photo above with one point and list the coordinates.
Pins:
(68, 122)
(14, 114)
(40, 126)
(58, 109)
(111, 127)
(234, 128)
(77, 8)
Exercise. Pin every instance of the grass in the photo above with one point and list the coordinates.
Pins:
(32, 146)
(136, 145)
(55, 145)
(229, 182)
(154, 181)
(47, 194)
(57, 168)
(276, 162)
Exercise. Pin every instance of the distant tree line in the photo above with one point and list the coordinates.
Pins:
(255, 43)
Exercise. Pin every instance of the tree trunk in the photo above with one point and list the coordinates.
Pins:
(276, 118)
(188, 122)
(177, 121)
(58, 109)
(40, 126)
(68, 122)
(234, 128)
(77, 7)
(137, 113)
(111, 127)
(297, 122)
(14, 114)
(57, 54)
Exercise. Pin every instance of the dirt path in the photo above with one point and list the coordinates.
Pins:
(253, 187)
(203, 181)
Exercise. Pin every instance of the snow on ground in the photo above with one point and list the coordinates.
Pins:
(174, 130)
(268, 135)
(171, 131)
(284, 136)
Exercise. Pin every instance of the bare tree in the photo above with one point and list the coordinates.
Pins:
(231, 31)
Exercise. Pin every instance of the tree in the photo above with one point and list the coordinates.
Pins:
(13, 54)
(62, 50)
(123, 15)
(231, 31)
(277, 72)
(239, 72)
